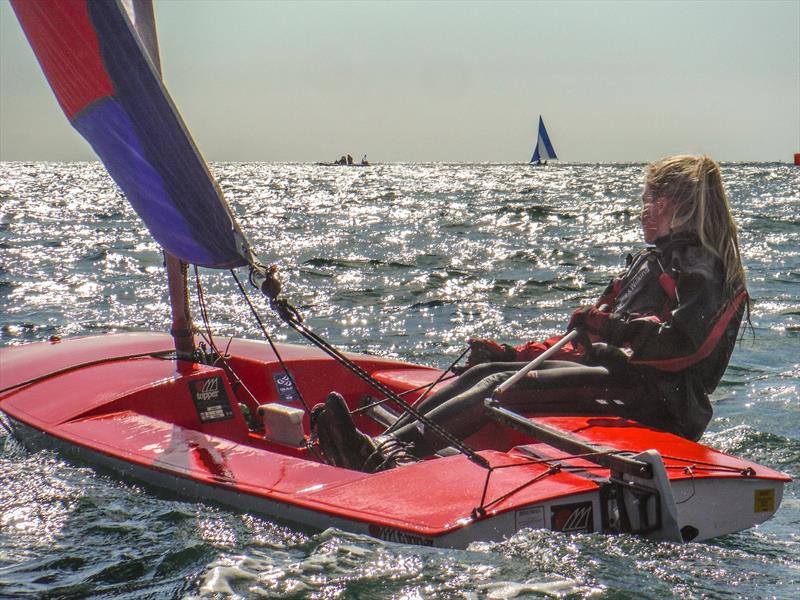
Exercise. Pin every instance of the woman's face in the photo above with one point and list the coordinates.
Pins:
(656, 216)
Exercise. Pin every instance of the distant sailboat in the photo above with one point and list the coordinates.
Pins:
(543, 151)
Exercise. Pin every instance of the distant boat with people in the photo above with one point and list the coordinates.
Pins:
(346, 160)
(543, 150)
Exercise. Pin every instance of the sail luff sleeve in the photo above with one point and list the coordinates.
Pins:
(113, 96)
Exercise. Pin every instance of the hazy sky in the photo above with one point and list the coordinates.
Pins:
(452, 81)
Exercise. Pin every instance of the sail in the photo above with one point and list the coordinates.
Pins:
(106, 79)
(543, 150)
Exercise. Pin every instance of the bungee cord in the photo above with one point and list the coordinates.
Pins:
(164, 354)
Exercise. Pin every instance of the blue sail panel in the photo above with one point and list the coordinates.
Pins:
(109, 131)
(113, 95)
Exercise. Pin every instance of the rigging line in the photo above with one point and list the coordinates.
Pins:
(208, 337)
(744, 471)
(89, 363)
(479, 511)
(292, 318)
(271, 343)
(220, 357)
(201, 300)
(441, 377)
(567, 457)
(366, 407)
(710, 466)
(551, 471)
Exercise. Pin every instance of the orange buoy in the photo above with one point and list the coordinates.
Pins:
(797, 158)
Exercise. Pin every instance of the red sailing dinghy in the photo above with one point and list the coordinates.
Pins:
(145, 406)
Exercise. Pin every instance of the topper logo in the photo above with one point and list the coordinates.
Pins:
(210, 389)
(579, 519)
(572, 517)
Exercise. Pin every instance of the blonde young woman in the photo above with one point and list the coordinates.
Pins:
(656, 342)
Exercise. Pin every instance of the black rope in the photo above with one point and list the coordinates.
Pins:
(292, 317)
(201, 300)
(271, 343)
(442, 376)
(430, 387)
(709, 466)
(367, 378)
(481, 510)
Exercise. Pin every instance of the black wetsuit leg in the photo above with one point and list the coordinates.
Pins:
(459, 407)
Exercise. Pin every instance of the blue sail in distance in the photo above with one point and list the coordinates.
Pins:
(543, 151)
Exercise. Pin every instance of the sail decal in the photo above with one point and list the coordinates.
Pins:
(113, 95)
(543, 149)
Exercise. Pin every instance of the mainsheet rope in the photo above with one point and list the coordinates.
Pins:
(289, 314)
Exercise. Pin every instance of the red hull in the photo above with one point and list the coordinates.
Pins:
(106, 400)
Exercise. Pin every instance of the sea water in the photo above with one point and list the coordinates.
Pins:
(405, 261)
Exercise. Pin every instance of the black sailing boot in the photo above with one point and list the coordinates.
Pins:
(345, 446)
(342, 444)
(321, 428)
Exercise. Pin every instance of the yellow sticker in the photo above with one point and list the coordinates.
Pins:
(764, 500)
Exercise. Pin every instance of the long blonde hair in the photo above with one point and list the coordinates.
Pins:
(694, 185)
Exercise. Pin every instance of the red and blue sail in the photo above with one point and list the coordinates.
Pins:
(112, 93)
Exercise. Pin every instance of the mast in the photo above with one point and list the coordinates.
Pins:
(143, 19)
